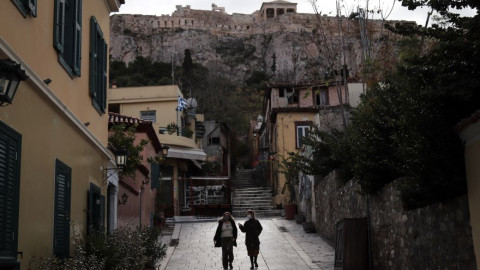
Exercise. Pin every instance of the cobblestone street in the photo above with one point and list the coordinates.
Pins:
(279, 249)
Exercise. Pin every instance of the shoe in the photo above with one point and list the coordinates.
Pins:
(231, 266)
(252, 267)
(256, 265)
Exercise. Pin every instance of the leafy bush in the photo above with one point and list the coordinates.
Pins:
(125, 248)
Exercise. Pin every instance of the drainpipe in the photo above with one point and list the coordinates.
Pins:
(141, 201)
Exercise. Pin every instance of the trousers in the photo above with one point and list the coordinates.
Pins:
(227, 251)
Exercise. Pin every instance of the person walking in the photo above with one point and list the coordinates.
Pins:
(225, 237)
(252, 229)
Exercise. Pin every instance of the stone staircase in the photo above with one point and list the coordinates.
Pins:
(246, 195)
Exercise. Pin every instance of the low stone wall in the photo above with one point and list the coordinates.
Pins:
(434, 237)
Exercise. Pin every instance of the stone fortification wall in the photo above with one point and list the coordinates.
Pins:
(434, 237)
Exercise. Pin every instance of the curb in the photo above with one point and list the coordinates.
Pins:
(171, 248)
(298, 249)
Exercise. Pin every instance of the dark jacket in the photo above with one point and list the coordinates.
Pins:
(252, 229)
(217, 239)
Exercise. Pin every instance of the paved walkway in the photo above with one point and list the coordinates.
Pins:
(292, 250)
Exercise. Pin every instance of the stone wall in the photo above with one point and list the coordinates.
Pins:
(434, 237)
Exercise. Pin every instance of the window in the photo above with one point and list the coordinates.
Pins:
(149, 116)
(115, 108)
(98, 67)
(61, 236)
(10, 149)
(96, 208)
(154, 175)
(214, 141)
(302, 131)
(281, 92)
(67, 35)
(292, 96)
(26, 7)
(321, 97)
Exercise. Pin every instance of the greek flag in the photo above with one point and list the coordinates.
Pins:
(182, 104)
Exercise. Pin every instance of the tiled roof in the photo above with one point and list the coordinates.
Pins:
(472, 119)
(143, 125)
(116, 118)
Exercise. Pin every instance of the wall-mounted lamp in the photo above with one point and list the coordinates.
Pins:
(120, 160)
(124, 199)
(165, 151)
(10, 76)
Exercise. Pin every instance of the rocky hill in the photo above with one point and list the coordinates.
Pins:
(290, 47)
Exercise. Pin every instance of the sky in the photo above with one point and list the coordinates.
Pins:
(166, 7)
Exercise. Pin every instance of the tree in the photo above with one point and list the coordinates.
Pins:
(187, 62)
(123, 137)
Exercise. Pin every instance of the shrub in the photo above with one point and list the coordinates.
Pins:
(125, 248)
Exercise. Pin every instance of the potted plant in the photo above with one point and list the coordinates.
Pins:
(172, 128)
(290, 167)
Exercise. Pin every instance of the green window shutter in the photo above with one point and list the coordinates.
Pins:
(77, 43)
(155, 175)
(93, 57)
(102, 212)
(95, 208)
(26, 7)
(61, 238)
(32, 6)
(104, 76)
(98, 67)
(59, 26)
(10, 148)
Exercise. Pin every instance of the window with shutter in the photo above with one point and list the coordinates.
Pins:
(96, 208)
(26, 7)
(155, 175)
(67, 38)
(10, 148)
(98, 67)
(61, 237)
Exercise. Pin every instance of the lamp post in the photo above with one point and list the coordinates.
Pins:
(10, 76)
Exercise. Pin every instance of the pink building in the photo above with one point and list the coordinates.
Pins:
(141, 189)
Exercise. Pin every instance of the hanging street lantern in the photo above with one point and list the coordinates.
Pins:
(10, 76)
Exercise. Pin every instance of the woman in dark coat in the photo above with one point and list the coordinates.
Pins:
(252, 229)
(225, 237)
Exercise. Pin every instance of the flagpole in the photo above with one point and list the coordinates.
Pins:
(178, 116)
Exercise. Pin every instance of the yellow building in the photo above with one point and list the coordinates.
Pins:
(289, 112)
(159, 104)
(53, 145)
(470, 134)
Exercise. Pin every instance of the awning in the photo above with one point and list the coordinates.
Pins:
(185, 153)
(196, 163)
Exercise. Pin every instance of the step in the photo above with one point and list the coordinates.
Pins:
(252, 191)
(247, 189)
(239, 201)
(253, 196)
(253, 207)
(260, 213)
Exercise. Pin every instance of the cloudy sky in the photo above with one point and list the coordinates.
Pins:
(159, 7)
